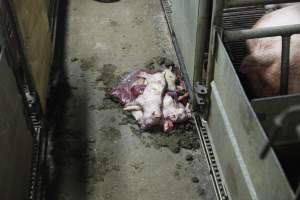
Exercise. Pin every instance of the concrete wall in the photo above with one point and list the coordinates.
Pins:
(184, 19)
(15, 139)
(32, 21)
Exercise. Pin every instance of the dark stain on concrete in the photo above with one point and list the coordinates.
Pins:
(183, 136)
(110, 133)
(88, 63)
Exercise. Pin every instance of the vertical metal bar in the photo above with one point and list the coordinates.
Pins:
(273, 137)
(285, 62)
(202, 36)
(216, 24)
(217, 16)
(297, 194)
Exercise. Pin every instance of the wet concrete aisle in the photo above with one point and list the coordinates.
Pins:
(96, 150)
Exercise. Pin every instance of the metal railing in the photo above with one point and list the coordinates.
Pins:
(240, 35)
(238, 3)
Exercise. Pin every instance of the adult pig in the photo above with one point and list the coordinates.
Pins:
(263, 65)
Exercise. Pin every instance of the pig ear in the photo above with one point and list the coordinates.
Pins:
(252, 63)
(249, 64)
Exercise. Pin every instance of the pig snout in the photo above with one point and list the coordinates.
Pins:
(157, 114)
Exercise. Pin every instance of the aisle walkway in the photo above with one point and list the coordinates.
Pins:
(98, 153)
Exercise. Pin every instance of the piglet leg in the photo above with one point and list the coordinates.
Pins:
(137, 115)
(133, 106)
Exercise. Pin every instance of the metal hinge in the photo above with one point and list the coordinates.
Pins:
(200, 95)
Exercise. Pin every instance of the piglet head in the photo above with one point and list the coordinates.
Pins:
(150, 121)
(183, 113)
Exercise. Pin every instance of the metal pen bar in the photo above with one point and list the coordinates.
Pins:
(216, 23)
(279, 123)
(274, 133)
(285, 62)
(237, 3)
(202, 37)
(297, 194)
(239, 35)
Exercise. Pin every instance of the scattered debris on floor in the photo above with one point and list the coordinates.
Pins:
(195, 180)
(189, 157)
(154, 95)
(184, 136)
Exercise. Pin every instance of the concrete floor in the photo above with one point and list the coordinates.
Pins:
(95, 155)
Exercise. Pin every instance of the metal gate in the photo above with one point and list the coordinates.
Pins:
(22, 132)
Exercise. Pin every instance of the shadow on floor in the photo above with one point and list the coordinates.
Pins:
(68, 145)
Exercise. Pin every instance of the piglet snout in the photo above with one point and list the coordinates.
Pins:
(157, 114)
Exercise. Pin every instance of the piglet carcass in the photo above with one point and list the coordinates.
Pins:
(154, 98)
(174, 112)
(159, 104)
(263, 65)
(147, 106)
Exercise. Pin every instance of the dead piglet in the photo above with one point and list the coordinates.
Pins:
(174, 112)
(150, 102)
(263, 65)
